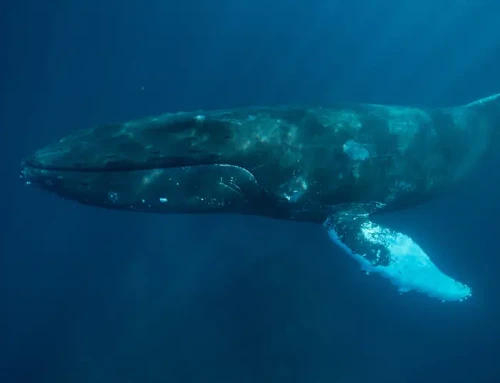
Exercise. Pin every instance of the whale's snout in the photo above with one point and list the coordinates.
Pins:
(161, 142)
(157, 166)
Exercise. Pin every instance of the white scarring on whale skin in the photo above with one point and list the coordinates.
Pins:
(410, 267)
(355, 151)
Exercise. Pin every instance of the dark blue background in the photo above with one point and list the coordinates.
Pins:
(90, 295)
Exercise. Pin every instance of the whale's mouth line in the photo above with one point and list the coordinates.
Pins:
(173, 163)
(97, 169)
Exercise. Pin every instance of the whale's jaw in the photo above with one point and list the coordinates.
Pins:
(163, 164)
(196, 189)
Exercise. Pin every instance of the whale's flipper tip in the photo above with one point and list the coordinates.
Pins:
(393, 255)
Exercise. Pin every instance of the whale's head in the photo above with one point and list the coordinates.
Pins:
(169, 164)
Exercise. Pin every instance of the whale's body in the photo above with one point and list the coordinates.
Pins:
(331, 165)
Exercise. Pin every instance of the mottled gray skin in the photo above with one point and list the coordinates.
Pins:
(294, 163)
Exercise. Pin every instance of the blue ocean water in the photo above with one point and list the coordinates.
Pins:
(90, 295)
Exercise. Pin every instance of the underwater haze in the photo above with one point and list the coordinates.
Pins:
(94, 295)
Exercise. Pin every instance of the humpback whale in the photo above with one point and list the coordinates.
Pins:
(337, 166)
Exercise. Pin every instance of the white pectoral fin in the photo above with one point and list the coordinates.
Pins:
(393, 255)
